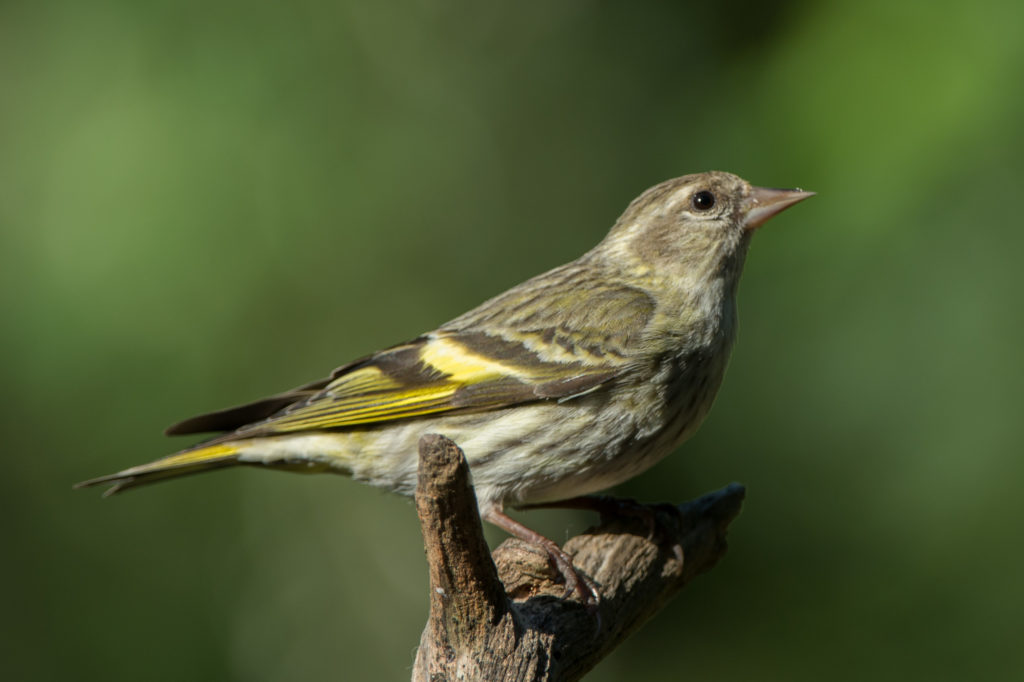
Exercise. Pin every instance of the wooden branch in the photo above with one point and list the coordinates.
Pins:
(507, 619)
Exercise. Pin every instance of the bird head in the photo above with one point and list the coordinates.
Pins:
(694, 227)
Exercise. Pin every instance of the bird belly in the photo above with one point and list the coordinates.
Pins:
(621, 442)
(525, 454)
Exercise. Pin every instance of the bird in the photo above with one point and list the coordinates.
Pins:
(563, 386)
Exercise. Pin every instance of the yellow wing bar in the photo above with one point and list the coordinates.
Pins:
(435, 374)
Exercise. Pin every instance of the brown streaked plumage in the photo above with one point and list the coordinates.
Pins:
(566, 384)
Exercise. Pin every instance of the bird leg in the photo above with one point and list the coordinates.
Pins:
(616, 507)
(574, 581)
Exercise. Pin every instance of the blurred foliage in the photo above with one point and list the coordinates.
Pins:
(206, 202)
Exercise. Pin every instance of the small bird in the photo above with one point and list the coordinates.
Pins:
(567, 384)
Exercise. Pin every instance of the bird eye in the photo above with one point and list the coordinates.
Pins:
(703, 200)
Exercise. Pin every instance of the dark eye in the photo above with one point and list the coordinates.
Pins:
(703, 200)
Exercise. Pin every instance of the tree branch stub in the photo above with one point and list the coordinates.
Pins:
(505, 619)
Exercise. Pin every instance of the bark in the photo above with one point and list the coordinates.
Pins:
(508, 618)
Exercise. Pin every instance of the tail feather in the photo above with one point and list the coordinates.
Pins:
(192, 461)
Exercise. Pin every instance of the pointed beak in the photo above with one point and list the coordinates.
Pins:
(763, 203)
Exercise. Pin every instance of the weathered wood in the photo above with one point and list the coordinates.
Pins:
(508, 619)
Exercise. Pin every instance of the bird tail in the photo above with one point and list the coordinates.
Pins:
(192, 461)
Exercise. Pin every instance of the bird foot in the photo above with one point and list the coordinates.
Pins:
(575, 582)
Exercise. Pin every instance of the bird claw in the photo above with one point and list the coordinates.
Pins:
(575, 582)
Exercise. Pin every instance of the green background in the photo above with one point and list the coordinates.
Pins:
(206, 202)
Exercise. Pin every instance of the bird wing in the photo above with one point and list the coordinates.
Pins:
(467, 365)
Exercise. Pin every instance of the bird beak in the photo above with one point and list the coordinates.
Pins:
(763, 203)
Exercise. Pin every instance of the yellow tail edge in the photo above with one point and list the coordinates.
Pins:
(180, 464)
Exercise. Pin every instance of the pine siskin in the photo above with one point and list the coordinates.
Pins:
(566, 384)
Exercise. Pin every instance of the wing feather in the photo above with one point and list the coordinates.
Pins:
(437, 373)
(513, 349)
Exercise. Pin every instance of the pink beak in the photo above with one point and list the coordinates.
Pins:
(763, 203)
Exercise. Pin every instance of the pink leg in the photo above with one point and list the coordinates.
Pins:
(574, 582)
